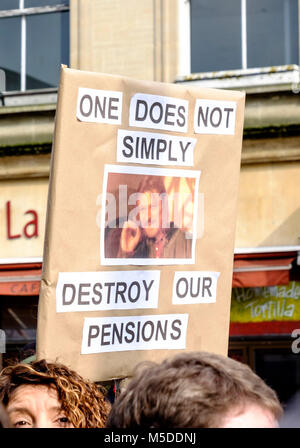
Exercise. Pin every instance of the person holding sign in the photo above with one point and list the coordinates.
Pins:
(196, 390)
(49, 395)
(149, 232)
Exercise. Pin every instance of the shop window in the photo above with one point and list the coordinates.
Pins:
(18, 321)
(241, 34)
(280, 368)
(274, 361)
(34, 42)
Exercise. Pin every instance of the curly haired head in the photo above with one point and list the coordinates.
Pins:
(83, 401)
(191, 390)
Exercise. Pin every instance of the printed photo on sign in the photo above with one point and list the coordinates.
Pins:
(148, 216)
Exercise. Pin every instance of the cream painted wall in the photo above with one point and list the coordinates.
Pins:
(129, 38)
(269, 205)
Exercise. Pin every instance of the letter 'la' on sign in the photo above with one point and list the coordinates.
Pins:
(137, 262)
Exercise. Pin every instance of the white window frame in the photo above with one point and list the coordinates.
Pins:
(23, 13)
(184, 40)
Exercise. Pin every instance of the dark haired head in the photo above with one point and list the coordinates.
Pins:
(191, 390)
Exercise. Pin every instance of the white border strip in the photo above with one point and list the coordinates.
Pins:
(169, 172)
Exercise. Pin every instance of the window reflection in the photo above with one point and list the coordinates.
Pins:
(217, 42)
(10, 51)
(44, 60)
(272, 30)
(215, 35)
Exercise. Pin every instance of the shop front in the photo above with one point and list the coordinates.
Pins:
(23, 209)
(265, 318)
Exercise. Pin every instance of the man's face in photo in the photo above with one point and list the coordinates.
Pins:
(151, 213)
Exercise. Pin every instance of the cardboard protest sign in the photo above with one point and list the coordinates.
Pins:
(140, 222)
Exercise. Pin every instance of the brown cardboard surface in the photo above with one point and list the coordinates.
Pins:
(74, 239)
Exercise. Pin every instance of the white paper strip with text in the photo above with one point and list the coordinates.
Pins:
(107, 290)
(155, 149)
(113, 334)
(215, 117)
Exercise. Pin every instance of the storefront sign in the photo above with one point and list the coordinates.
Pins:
(270, 303)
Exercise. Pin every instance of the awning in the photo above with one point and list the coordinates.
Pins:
(20, 280)
(249, 270)
(257, 270)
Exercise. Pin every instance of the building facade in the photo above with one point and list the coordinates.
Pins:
(251, 45)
